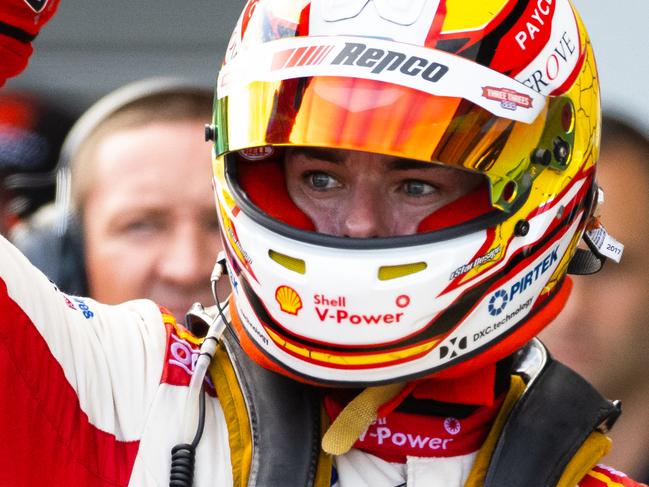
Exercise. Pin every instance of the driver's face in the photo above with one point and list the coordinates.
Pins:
(363, 195)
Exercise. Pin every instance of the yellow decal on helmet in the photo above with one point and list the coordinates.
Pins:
(463, 15)
(356, 360)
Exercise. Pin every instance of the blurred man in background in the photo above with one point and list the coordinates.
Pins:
(32, 130)
(135, 218)
(603, 332)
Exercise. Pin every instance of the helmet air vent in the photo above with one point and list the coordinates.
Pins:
(395, 271)
(291, 263)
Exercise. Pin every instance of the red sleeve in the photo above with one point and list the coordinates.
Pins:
(603, 476)
(20, 23)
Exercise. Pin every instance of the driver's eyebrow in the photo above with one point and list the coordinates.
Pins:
(405, 164)
(337, 157)
(320, 154)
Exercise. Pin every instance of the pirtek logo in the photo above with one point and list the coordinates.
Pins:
(358, 54)
(500, 298)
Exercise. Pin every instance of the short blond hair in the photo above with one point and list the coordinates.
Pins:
(175, 105)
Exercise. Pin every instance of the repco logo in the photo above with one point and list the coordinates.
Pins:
(378, 60)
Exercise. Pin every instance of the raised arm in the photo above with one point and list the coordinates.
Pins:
(76, 376)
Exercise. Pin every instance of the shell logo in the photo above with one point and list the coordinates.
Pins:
(289, 300)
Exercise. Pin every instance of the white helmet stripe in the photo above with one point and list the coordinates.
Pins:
(424, 69)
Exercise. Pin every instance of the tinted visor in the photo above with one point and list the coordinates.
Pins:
(373, 116)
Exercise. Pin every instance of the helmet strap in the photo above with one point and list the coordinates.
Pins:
(357, 417)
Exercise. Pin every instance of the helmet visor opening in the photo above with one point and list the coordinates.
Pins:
(377, 117)
(352, 199)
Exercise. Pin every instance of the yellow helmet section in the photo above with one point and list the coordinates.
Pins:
(464, 15)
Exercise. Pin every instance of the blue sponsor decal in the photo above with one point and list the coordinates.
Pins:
(498, 302)
(84, 308)
(234, 283)
(500, 298)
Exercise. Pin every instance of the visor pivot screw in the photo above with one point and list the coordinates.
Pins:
(522, 228)
(542, 156)
(561, 150)
(210, 132)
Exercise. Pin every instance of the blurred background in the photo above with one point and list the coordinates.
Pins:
(90, 48)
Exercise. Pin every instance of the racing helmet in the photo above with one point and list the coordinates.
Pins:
(507, 89)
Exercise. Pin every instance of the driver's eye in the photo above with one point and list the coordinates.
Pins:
(321, 180)
(418, 188)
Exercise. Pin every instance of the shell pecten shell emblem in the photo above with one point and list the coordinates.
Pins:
(289, 300)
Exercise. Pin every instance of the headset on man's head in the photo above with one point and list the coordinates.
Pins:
(57, 247)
